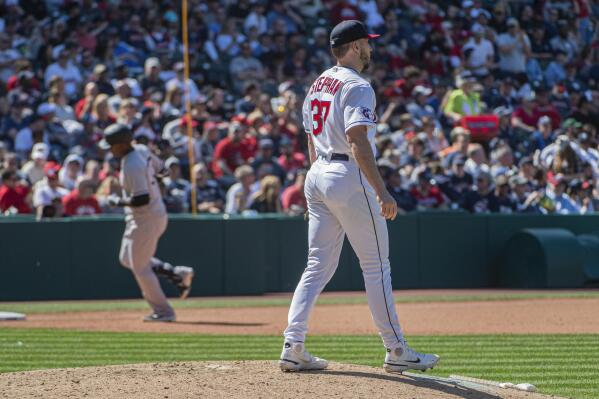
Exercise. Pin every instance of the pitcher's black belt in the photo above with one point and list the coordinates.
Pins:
(336, 157)
(339, 157)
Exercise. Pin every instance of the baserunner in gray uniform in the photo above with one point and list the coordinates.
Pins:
(146, 220)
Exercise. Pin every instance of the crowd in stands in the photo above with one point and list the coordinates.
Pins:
(70, 68)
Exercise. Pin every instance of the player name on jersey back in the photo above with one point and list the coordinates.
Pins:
(326, 84)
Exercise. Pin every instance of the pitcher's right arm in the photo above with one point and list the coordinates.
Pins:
(362, 152)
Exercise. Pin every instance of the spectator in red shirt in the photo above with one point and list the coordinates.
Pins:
(403, 87)
(433, 17)
(228, 153)
(249, 145)
(86, 34)
(289, 159)
(546, 108)
(526, 116)
(434, 63)
(343, 10)
(84, 105)
(293, 197)
(426, 193)
(13, 194)
(81, 201)
(23, 77)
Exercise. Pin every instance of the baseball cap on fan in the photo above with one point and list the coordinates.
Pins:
(349, 31)
(51, 170)
(40, 151)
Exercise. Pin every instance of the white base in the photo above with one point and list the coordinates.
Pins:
(12, 316)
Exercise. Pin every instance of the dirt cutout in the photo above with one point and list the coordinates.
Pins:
(247, 380)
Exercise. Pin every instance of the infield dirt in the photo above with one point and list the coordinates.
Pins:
(531, 316)
(256, 379)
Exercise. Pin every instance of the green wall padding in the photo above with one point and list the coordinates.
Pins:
(78, 258)
(453, 250)
(404, 251)
(36, 260)
(245, 247)
(198, 243)
(94, 265)
(543, 258)
(589, 244)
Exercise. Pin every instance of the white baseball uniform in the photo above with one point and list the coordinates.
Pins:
(341, 201)
(145, 224)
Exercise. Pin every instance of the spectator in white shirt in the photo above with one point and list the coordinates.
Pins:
(48, 193)
(72, 169)
(514, 48)
(33, 170)
(123, 92)
(67, 71)
(239, 196)
(477, 160)
(121, 73)
(478, 52)
(63, 111)
(179, 82)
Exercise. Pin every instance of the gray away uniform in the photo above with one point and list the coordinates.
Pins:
(144, 225)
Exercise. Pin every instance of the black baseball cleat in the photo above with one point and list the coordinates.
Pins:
(160, 318)
(185, 273)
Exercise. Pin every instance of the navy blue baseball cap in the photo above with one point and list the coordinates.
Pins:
(115, 134)
(349, 31)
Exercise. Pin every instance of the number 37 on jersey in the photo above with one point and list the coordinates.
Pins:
(320, 112)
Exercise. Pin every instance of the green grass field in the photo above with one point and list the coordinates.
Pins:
(564, 365)
(92, 306)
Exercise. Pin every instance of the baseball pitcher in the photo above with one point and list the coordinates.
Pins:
(346, 195)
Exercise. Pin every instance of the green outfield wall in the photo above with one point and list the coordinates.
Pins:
(78, 258)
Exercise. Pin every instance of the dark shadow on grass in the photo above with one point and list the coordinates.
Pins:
(220, 323)
(448, 388)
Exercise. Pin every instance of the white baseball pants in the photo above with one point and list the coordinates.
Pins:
(341, 201)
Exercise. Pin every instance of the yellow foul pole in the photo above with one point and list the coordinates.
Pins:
(190, 149)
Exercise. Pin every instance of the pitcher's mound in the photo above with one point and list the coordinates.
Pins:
(256, 379)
